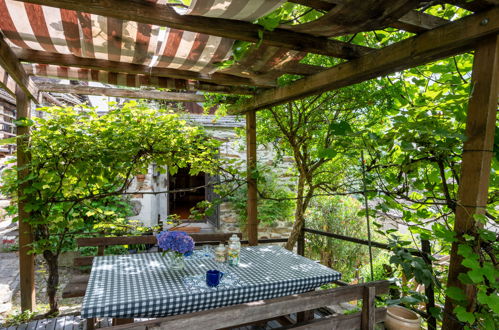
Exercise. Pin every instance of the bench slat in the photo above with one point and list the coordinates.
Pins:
(149, 239)
(74, 290)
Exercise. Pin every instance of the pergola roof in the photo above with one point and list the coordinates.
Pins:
(159, 44)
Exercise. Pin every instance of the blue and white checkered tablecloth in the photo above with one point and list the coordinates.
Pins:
(142, 285)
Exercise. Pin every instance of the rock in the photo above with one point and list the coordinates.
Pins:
(136, 207)
(229, 220)
(5, 307)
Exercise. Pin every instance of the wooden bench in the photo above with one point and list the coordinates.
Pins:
(274, 309)
(78, 284)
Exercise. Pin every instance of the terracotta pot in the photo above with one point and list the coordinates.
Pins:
(400, 318)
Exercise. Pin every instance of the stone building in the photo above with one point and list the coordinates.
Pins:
(151, 209)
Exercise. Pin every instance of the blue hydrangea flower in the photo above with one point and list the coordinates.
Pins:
(177, 241)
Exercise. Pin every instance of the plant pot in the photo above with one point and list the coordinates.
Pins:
(401, 318)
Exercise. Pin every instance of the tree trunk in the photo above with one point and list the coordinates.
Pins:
(52, 261)
(302, 202)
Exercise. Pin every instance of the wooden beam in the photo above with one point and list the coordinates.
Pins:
(476, 5)
(52, 99)
(34, 56)
(142, 80)
(6, 82)
(450, 39)
(164, 15)
(476, 165)
(417, 22)
(252, 209)
(26, 259)
(11, 65)
(414, 21)
(121, 92)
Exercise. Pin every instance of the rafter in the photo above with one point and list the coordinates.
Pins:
(140, 80)
(13, 69)
(40, 57)
(120, 92)
(414, 21)
(164, 15)
(448, 40)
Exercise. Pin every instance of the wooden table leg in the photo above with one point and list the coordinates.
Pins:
(119, 321)
(304, 316)
(91, 324)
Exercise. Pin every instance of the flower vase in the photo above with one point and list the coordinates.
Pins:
(177, 261)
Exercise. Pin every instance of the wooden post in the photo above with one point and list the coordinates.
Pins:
(252, 223)
(26, 260)
(475, 169)
(368, 308)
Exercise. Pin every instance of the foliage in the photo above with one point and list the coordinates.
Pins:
(339, 215)
(80, 162)
(15, 320)
(275, 199)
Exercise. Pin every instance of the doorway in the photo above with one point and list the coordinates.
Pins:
(180, 203)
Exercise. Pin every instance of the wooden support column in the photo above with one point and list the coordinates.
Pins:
(26, 260)
(252, 223)
(476, 164)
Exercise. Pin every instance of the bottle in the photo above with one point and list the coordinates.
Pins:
(220, 253)
(233, 256)
(234, 238)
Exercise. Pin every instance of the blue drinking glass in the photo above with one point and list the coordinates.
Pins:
(213, 277)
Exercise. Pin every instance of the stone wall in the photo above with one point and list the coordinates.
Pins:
(148, 208)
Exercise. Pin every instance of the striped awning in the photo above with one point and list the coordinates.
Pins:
(85, 35)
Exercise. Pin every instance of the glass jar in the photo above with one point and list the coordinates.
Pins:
(177, 261)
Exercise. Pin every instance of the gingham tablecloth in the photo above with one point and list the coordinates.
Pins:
(142, 285)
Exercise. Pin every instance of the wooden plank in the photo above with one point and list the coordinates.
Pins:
(350, 321)
(12, 66)
(121, 92)
(164, 15)
(417, 22)
(368, 308)
(41, 57)
(476, 164)
(258, 310)
(60, 323)
(26, 259)
(149, 239)
(251, 162)
(6, 82)
(414, 21)
(448, 40)
(143, 80)
(74, 289)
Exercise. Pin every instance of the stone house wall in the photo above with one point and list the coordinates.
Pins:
(150, 208)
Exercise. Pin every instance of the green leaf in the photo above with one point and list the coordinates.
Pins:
(340, 128)
(456, 293)
(463, 315)
(11, 140)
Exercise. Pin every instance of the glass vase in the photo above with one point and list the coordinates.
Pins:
(177, 261)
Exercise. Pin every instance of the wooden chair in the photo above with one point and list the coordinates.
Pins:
(274, 309)
(78, 284)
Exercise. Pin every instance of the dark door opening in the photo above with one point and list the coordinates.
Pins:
(180, 203)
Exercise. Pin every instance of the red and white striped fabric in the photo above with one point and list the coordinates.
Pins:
(86, 35)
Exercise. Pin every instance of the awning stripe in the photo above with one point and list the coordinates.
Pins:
(71, 30)
(93, 36)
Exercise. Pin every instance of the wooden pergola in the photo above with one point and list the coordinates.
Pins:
(149, 43)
